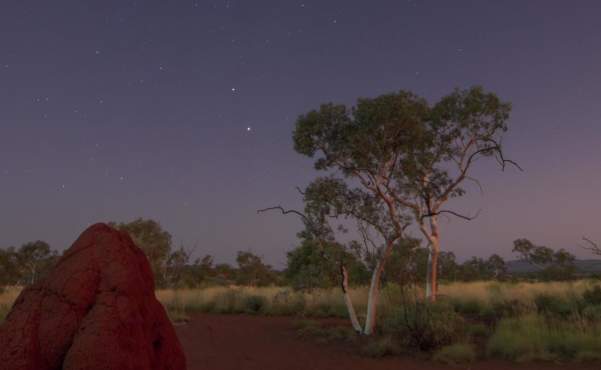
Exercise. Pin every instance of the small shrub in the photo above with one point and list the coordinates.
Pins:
(425, 326)
(509, 308)
(477, 330)
(341, 334)
(553, 306)
(592, 313)
(307, 328)
(380, 347)
(4, 309)
(588, 356)
(286, 304)
(456, 354)
(254, 304)
(470, 307)
(592, 296)
(534, 337)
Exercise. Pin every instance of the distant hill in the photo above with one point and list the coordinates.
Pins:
(582, 266)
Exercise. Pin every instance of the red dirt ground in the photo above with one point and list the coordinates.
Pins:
(238, 342)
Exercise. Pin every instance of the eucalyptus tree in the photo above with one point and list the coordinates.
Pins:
(458, 130)
(361, 149)
(389, 162)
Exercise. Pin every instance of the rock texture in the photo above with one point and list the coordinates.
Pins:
(95, 310)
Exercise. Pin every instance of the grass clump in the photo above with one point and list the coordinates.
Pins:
(380, 347)
(4, 309)
(455, 354)
(477, 330)
(254, 304)
(534, 337)
(425, 326)
(592, 296)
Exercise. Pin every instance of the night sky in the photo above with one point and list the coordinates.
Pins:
(182, 111)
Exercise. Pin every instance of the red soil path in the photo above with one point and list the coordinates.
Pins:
(238, 342)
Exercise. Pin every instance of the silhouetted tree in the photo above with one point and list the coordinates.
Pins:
(553, 265)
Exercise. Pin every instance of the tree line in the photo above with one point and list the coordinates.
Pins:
(308, 266)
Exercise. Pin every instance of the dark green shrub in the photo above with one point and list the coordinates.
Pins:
(456, 354)
(470, 307)
(380, 347)
(553, 306)
(477, 330)
(592, 296)
(254, 304)
(508, 308)
(425, 326)
(592, 313)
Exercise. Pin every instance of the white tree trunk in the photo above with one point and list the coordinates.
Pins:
(348, 302)
(372, 299)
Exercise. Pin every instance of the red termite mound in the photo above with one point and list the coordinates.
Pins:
(95, 310)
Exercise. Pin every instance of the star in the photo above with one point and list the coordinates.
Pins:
(249, 129)
(234, 89)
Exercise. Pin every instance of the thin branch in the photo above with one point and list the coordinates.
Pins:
(591, 246)
(456, 214)
(285, 212)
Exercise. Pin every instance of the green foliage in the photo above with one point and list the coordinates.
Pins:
(287, 303)
(380, 347)
(254, 304)
(592, 296)
(4, 310)
(592, 313)
(476, 330)
(425, 326)
(469, 307)
(252, 271)
(553, 265)
(313, 265)
(154, 242)
(27, 264)
(456, 354)
(536, 338)
(551, 305)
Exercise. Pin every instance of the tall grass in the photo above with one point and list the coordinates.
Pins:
(469, 298)
(7, 298)
(535, 337)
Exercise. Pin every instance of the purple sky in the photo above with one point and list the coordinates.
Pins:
(115, 109)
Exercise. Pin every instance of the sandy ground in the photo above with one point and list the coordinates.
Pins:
(238, 342)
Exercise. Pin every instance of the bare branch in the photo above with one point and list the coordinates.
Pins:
(591, 246)
(285, 212)
(456, 214)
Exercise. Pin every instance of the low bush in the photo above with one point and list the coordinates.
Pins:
(592, 296)
(470, 307)
(536, 337)
(477, 330)
(4, 309)
(254, 304)
(380, 347)
(550, 305)
(456, 354)
(592, 313)
(425, 326)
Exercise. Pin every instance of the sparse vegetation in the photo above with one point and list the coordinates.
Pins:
(456, 354)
